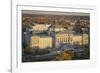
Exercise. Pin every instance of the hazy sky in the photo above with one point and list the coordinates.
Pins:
(54, 12)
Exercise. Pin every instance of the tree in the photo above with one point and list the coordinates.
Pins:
(68, 55)
(28, 50)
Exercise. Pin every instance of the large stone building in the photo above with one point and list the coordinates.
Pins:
(57, 29)
(60, 38)
(70, 37)
(40, 27)
(63, 37)
(41, 42)
(85, 39)
(77, 39)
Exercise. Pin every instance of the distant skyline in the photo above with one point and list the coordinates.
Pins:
(51, 19)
